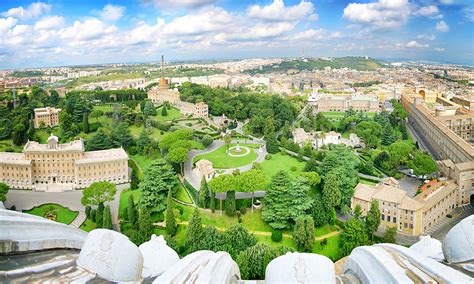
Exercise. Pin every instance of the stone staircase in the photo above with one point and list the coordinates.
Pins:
(81, 217)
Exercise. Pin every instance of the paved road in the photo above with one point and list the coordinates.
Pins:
(188, 165)
(27, 199)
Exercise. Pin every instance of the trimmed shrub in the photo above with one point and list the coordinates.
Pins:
(277, 236)
(268, 157)
(293, 169)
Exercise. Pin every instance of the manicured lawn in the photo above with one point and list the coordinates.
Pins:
(254, 222)
(88, 225)
(144, 161)
(340, 114)
(325, 229)
(64, 214)
(172, 114)
(285, 241)
(137, 130)
(331, 249)
(368, 182)
(182, 195)
(280, 162)
(220, 159)
(104, 108)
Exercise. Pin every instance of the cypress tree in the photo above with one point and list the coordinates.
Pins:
(134, 181)
(85, 122)
(164, 111)
(93, 214)
(230, 203)
(132, 211)
(145, 225)
(194, 231)
(203, 193)
(170, 218)
(213, 202)
(99, 215)
(107, 219)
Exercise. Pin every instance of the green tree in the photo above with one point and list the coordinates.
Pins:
(211, 239)
(354, 235)
(143, 142)
(252, 261)
(370, 131)
(227, 141)
(99, 216)
(423, 164)
(145, 225)
(121, 136)
(285, 200)
(390, 235)
(303, 234)
(178, 156)
(270, 137)
(85, 122)
(194, 232)
(98, 192)
(170, 218)
(96, 114)
(159, 178)
(164, 111)
(237, 239)
(372, 221)
(134, 180)
(357, 211)
(107, 218)
(19, 134)
(331, 191)
(3, 191)
(132, 211)
(149, 109)
(213, 202)
(100, 140)
(318, 211)
(203, 193)
(230, 203)
(207, 140)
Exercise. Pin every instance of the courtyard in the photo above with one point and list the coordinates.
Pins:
(223, 160)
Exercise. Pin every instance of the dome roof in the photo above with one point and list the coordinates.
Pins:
(300, 268)
(458, 245)
(429, 247)
(202, 267)
(157, 256)
(111, 256)
(53, 138)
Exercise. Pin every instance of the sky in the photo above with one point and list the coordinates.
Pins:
(69, 32)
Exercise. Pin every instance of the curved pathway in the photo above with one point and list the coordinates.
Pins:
(188, 165)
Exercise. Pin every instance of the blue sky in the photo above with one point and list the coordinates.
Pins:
(65, 32)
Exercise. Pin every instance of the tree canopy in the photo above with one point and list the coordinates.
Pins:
(159, 178)
(98, 192)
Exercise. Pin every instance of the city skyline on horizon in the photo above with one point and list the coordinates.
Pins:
(57, 33)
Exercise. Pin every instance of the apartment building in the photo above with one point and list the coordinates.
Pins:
(344, 102)
(47, 117)
(67, 165)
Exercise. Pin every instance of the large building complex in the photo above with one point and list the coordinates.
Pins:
(410, 215)
(46, 117)
(162, 93)
(454, 154)
(62, 166)
(344, 102)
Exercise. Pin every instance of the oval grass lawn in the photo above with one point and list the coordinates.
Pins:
(221, 160)
(64, 214)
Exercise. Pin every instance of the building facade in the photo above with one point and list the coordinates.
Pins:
(47, 117)
(454, 154)
(343, 103)
(199, 110)
(67, 166)
(160, 94)
(410, 215)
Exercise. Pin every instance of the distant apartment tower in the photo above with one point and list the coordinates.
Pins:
(48, 117)
(199, 110)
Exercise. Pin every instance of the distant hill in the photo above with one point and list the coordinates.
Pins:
(356, 63)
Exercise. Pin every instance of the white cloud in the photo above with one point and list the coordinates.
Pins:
(89, 29)
(6, 24)
(442, 26)
(381, 14)
(415, 44)
(172, 4)
(35, 10)
(49, 22)
(427, 11)
(112, 12)
(208, 20)
(468, 13)
(439, 49)
(277, 11)
(426, 37)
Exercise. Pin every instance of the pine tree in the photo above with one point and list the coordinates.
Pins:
(319, 212)
(134, 181)
(194, 231)
(164, 111)
(331, 191)
(159, 179)
(121, 136)
(85, 122)
(132, 211)
(145, 224)
(170, 218)
(372, 221)
(203, 193)
(303, 233)
(99, 217)
(99, 141)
